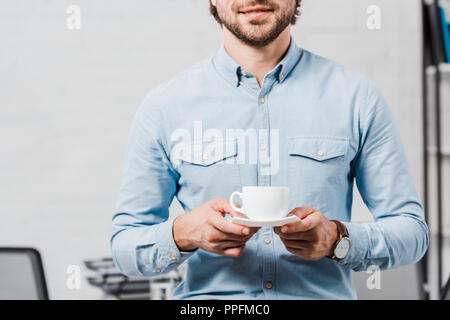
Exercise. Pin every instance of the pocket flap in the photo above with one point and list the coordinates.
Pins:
(317, 148)
(205, 153)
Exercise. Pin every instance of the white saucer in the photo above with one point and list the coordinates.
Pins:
(265, 223)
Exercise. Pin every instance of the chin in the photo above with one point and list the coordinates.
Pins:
(258, 26)
(258, 34)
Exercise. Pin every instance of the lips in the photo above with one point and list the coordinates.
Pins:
(256, 10)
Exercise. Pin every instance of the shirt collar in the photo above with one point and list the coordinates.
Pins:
(232, 71)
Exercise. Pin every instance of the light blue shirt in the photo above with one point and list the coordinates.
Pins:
(319, 128)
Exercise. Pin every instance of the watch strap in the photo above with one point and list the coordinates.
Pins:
(342, 229)
(342, 233)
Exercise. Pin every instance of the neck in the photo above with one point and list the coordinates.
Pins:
(257, 60)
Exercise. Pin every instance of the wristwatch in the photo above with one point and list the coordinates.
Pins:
(341, 247)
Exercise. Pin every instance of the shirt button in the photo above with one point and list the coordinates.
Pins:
(263, 147)
(173, 257)
(158, 270)
(243, 73)
(320, 153)
(262, 100)
(205, 156)
(267, 240)
(269, 285)
(281, 76)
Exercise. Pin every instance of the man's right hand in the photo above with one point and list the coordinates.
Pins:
(206, 228)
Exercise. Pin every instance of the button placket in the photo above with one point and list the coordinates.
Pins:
(266, 243)
(264, 147)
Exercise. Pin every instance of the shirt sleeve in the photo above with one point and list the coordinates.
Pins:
(399, 235)
(142, 241)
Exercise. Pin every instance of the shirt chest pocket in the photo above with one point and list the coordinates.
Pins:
(316, 164)
(210, 169)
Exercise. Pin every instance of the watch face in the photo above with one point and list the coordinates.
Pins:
(342, 248)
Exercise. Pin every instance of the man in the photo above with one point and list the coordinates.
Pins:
(318, 127)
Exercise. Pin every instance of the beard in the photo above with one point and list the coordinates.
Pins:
(257, 34)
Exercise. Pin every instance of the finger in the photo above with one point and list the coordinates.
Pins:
(232, 236)
(297, 244)
(253, 230)
(223, 206)
(233, 252)
(301, 212)
(226, 226)
(308, 223)
(306, 235)
(223, 245)
(223, 236)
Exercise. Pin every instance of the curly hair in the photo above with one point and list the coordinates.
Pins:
(214, 13)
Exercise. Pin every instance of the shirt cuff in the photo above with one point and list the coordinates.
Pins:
(168, 250)
(157, 251)
(359, 246)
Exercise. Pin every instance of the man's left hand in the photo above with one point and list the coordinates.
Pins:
(311, 238)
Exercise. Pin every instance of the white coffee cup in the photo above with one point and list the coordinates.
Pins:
(263, 203)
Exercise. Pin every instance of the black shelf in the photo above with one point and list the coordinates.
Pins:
(432, 57)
